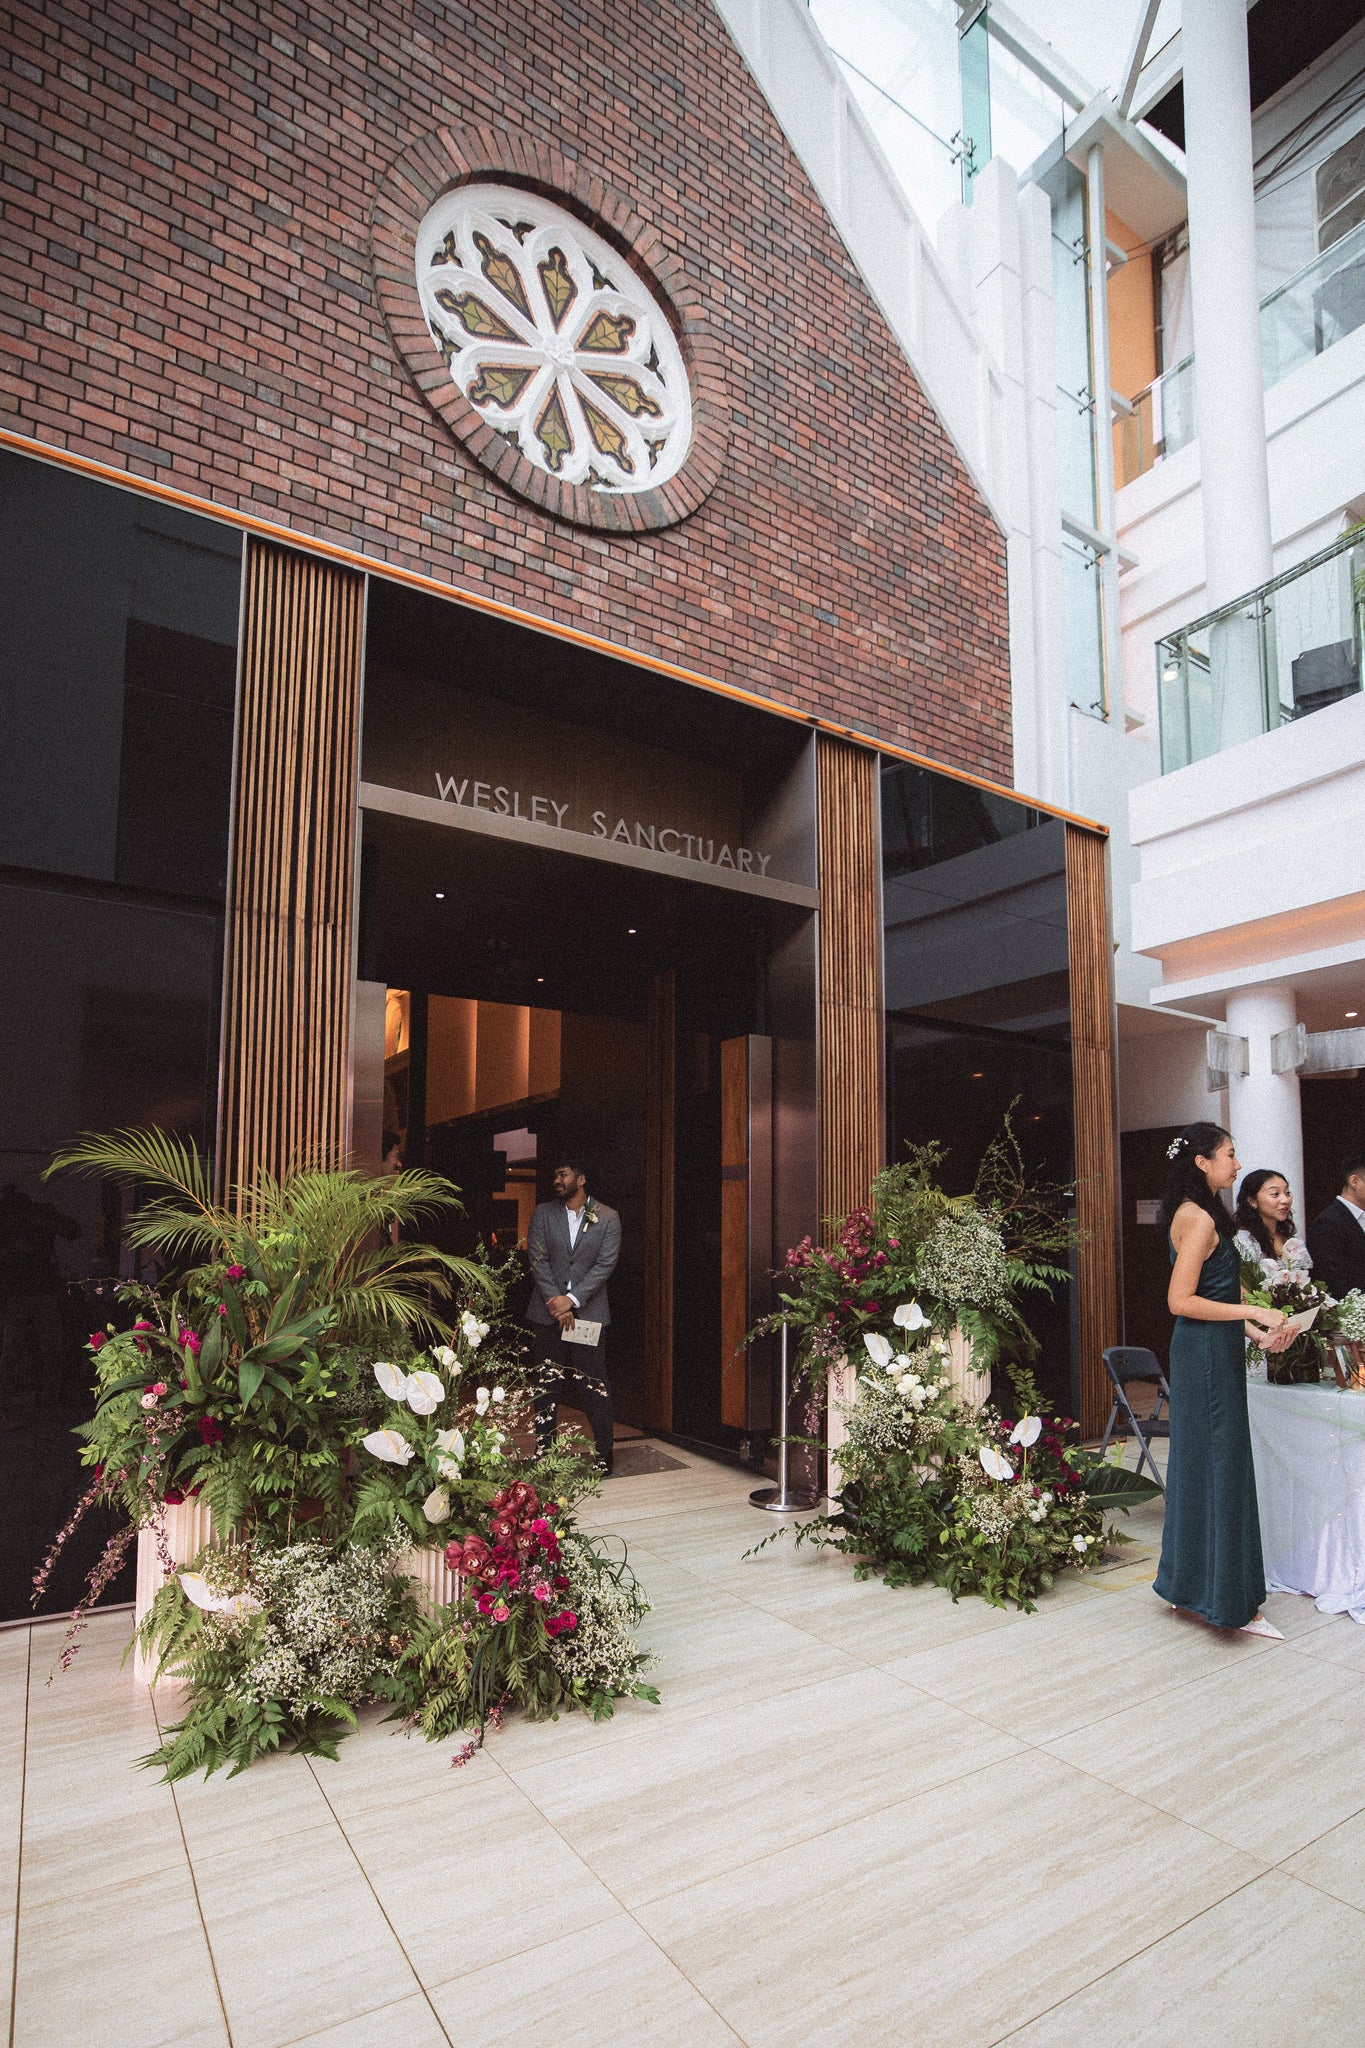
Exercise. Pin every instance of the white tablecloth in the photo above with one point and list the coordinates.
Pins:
(1309, 1446)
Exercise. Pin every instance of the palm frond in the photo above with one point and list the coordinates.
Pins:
(181, 1217)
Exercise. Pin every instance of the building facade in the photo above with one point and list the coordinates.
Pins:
(503, 650)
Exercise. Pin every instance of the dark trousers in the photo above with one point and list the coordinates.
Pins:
(572, 1372)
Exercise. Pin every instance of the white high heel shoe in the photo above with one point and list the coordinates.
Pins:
(1259, 1626)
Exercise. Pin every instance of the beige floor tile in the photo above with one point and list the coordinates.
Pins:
(1062, 1671)
(1336, 1638)
(299, 1942)
(277, 1796)
(383, 1764)
(1335, 1862)
(409, 2024)
(722, 1790)
(947, 1919)
(92, 1818)
(1272, 1965)
(472, 1873)
(127, 1968)
(608, 1988)
(1268, 1755)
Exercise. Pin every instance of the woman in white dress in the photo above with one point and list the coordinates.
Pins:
(1266, 1235)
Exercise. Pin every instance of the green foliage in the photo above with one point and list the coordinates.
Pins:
(318, 1241)
(968, 1262)
(935, 1490)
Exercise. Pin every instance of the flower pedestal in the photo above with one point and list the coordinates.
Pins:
(437, 1585)
(841, 1389)
(970, 1387)
(189, 1527)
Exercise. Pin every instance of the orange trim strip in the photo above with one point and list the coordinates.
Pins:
(250, 522)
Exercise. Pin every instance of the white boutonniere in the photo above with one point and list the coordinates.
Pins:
(590, 1216)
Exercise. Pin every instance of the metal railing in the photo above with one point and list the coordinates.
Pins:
(1286, 650)
(1299, 320)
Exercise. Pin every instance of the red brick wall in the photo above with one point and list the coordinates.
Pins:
(185, 292)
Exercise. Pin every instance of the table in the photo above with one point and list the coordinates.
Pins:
(1309, 1447)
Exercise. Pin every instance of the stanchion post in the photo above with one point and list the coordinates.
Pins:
(782, 1499)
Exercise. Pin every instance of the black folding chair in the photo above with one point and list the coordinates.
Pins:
(1125, 1363)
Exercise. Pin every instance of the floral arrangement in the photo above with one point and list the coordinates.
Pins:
(544, 1621)
(285, 1372)
(1288, 1285)
(966, 1261)
(973, 1500)
(274, 1647)
(1350, 1317)
(933, 1485)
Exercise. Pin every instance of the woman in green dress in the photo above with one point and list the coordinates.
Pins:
(1211, 1547)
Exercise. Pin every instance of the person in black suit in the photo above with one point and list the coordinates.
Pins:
(573, 1245)
(1336, 1239)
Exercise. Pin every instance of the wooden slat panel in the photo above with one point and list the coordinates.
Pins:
(1095, 1114)
(286, 1010)
(852, 1026)
(661, 1061)
(734, 1230)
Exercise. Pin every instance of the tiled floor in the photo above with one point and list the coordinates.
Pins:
(860, 1817)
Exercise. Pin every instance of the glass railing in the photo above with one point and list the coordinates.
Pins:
(1291, 648)
(1302, 319)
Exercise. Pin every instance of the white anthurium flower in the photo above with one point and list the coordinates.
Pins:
(910, 1316)
(436, 1506)
(1081, 1544)
(472, 1330)
(201, 1594)
(392, 1379)
(878, 1349)
(482, 1398)
(1027, 1431)
(499, 1395)
(425, 1392)
(444, 1357)
(389, 1445)
(452, 1442)
(994, 1464)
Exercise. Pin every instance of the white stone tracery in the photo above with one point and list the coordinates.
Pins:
(554, 339)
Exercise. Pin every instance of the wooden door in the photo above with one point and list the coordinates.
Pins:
(746, 1249)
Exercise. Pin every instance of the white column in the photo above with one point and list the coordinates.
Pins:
(1103, 416)
(1229, 399)
(1267, 1125)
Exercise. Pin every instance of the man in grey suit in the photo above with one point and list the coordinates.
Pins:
(573, 1245)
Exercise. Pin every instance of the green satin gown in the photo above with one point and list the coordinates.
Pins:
(1211, 1549)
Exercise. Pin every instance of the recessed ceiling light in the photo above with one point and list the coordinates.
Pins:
(539, 979)
(978, 1077)
(440, 895)
(1353, 1013)
(630, 931)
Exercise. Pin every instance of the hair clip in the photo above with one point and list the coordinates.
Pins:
(1175, 1146)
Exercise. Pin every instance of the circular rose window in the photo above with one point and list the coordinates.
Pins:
(553, 339)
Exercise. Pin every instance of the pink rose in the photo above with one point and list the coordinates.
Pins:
(191, 1341)
(142, 1326)
(235, 1273)
(149, 1400)
(540, 1592)
(97, 1340)
(501, 1611)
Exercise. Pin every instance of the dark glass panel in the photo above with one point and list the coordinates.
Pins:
(117, 680)
(92, 581)
(978, 993)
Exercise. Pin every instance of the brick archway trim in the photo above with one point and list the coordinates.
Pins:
(434, 164)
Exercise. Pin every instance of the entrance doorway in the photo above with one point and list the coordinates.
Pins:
(522, 1006)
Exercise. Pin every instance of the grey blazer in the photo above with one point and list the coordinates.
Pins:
(582, 1271)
